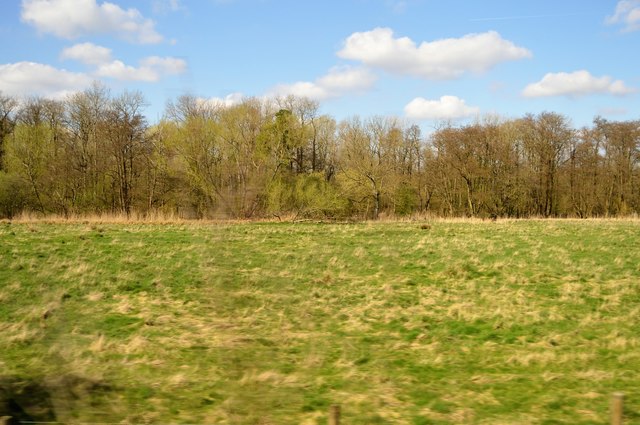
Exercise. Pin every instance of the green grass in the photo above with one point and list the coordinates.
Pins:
(527, 322)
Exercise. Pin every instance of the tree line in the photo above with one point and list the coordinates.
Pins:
(96, 153)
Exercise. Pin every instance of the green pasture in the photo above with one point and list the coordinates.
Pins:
(467, 322)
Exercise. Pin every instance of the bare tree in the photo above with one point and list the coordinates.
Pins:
(8, 108)
(125, 130)
(547, 137)
(621, 143)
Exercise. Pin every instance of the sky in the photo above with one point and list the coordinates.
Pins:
(424, 61)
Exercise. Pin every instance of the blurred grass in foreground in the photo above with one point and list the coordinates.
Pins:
(268, 323)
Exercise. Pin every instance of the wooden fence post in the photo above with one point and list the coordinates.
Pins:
(617, 403)
(334, 414)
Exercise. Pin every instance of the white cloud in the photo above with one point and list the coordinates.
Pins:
(151, 69)
(445, 108)
(627, 13)
(578, 83)
(441, 59)
(300, 89)
(87, 53)
(337, 82)
(166, 65)
(74, 18)
(120, 71)
(36, 79)
(224, 102)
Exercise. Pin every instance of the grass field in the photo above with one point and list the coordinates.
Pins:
(508, 322)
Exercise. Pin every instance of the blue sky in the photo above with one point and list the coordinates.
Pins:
(422, 60)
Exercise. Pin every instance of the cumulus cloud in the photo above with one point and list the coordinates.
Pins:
(337, 82)
(627, 13)
(151, 69)
(300, 89)
(87, 53)
(166, 65)
(578, 83)
(118, 70)
(36, 79)
(229, 100)
(445, 108)
(74, 18)
(441, 59)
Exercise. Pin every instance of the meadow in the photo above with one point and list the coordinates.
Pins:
(450, 322)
